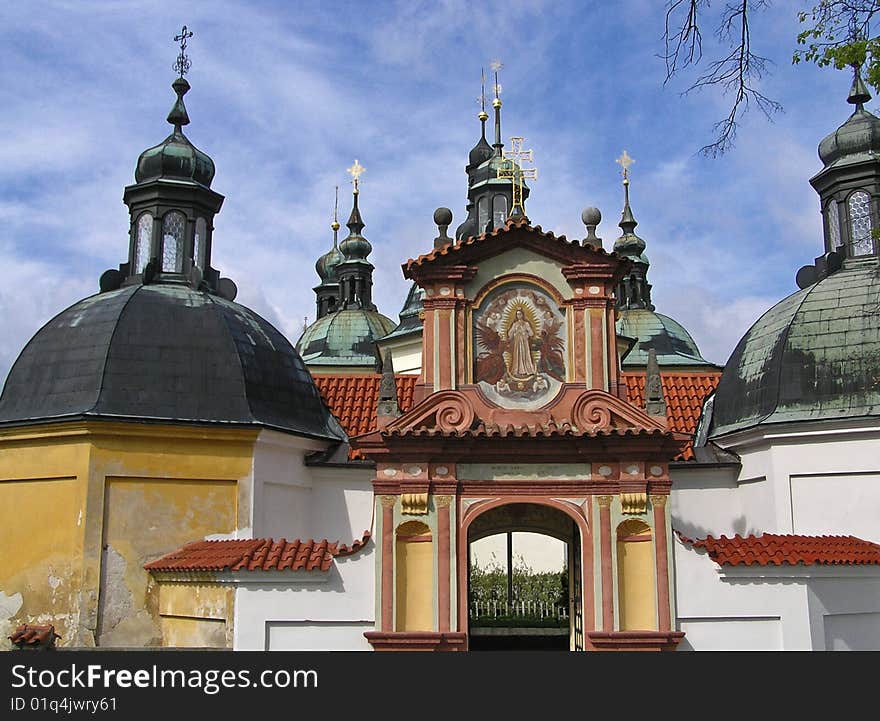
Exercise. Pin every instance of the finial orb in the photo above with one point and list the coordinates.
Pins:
(443, 216)
(591, 216)
(496, 103)
(484, 116)
(334, 225)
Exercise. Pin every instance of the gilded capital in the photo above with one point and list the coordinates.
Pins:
(605, 501)
(443, 501)
(388, 501)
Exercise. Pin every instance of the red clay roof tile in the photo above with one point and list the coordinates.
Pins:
(353, 399)
(777, 549)
(684, 393)
(256, 554)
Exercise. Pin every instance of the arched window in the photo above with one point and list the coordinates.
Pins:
(860, 240)
(415, 577)
(635, 577)
(482, 214)
(143, 242)
(499, 210)
(173, 226)
(832, 221)
(199, 243)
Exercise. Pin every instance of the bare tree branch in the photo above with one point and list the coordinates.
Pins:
(737, 74)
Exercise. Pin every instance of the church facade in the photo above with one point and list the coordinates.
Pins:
(208, 484)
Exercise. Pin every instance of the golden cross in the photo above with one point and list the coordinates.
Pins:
(625, 161)
(356, 171)
(514, 171)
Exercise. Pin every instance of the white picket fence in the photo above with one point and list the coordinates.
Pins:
(518, 609)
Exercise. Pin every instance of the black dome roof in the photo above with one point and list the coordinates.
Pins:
(165, 353)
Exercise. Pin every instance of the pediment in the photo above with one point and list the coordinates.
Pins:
(516, 233)
(578, 412)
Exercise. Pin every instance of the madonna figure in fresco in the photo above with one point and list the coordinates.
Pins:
(520, 332)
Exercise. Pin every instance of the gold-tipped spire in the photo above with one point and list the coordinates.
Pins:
(483, 115)
(356, 171)
(335, 224)
(627, 222)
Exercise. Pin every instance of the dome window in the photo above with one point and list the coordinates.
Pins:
(832, 221)
(144, 238)
(172, 242)
(483, 214)
(861, 240)
(199, 243)
(499, 211)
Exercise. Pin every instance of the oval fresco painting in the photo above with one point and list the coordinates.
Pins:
(519, 346)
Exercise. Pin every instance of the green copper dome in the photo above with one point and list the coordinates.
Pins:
(176, 157)
(815, 355)
(344, 338)
(858, 139)
(672, 343)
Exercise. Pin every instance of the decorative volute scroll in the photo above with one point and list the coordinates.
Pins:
(447, 411)
(595, 410)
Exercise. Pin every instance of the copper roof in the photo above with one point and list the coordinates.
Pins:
(778, 549)
(256, 554)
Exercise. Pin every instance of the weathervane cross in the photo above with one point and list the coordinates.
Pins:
(625, 161)
(182, 64)
(356, 170)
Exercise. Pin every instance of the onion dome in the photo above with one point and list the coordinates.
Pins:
(165, 353)
(858, 139)
(482, 151)
(814, 356)
(325, 266)
(355, 246)
(176, 157)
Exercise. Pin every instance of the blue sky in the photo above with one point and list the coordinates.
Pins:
(286, 95)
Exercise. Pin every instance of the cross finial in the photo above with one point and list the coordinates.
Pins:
(182, 64)
(515, 171)
(356, 170)
(625, 161)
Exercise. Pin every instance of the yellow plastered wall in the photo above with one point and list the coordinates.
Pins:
(635, 577)
(415, 577)
(87, 504)
(42, 521)
(196, 615)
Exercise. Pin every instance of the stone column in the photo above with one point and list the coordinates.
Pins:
(443, 548)
(387, 597)
(661, 545)
(606, 566)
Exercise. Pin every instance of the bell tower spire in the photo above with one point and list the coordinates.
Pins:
(634, 290)
(355, 272)
(171, 203)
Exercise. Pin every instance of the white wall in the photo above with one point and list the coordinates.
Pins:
(295, 610)
(299, 611)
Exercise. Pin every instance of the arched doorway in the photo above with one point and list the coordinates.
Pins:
(517, 600)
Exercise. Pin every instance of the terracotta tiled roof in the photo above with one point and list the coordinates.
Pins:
(775, 549)
(27, 635)
(353, 400)
(256, 554)
(457, 246)
(684, 394)
(551, 429)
